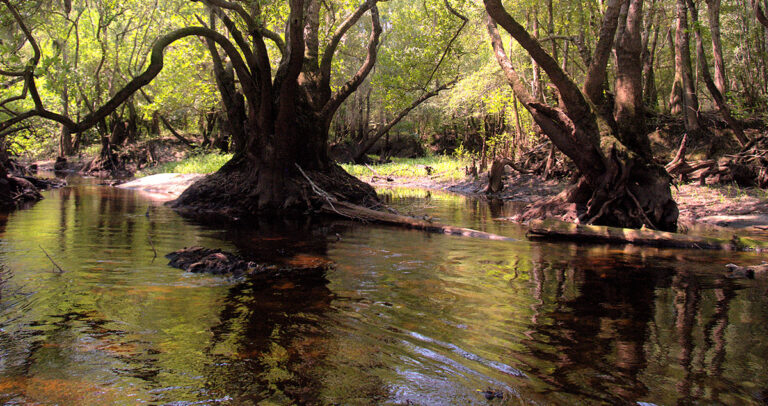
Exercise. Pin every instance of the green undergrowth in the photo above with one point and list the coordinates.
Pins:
(443, 168)
(196, 163)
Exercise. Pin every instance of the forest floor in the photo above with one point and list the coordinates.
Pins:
(719, 205)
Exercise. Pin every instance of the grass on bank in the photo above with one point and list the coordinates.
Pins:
(444, 168)
(196, 163)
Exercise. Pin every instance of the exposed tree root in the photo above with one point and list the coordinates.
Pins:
(631, 194)
(748, 167)
(234, 193)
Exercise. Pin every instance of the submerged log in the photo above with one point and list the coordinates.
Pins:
(218, 262)
(558, 230)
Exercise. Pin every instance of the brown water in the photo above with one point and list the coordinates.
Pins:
(406, 317)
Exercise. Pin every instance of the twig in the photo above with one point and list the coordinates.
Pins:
(320, 192)
(51, 259)
(372, 170)
(151, 244)
(640, 208)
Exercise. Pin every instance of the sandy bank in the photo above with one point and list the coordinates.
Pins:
(163, 186)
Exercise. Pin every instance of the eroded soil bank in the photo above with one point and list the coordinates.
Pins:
(717, 205)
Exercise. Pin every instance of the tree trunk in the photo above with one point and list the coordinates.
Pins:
(620, 184)
(683, 72)
(717, 96)
(284, 164)
(721, 80)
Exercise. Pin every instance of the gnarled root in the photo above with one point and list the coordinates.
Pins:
(631, 194)
(243, 189)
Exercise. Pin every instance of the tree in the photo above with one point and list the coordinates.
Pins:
(283, 163)
(683, 97)
(620, 185)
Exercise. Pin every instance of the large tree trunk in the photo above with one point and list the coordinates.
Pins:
(620, 183)
(270, 179)
(721, 80)
(683, 99)
(284, 164)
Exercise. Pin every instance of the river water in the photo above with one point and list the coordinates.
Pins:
(405, 318)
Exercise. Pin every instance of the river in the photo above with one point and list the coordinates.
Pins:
(405, 318)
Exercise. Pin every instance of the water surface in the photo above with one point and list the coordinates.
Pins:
(405, 318)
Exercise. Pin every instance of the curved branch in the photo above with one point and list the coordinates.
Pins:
(759, 13)
(578, 108)
(368, 144)
(518, 86)
(464, 20)
(327, 60)
(558, 126)
(593, 84)
(274, 37)
(238, 37)
(155, 66)
(335, 101)
(237, 8)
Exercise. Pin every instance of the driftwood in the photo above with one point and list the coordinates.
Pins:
(352, 211)
(558, 230)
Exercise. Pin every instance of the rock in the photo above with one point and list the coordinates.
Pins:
(218, 262)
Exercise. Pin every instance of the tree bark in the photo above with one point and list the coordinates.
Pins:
(721, 80)
(683, 88)
(717, 96)
(619, 186)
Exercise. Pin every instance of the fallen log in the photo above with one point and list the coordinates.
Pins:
(361, 213)
(562, 231)
(335, 207)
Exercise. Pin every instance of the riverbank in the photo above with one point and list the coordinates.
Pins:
(719, 205)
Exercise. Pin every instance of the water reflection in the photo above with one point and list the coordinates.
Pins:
(405, 317)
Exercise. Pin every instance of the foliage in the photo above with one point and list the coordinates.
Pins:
(196, 163)
(443, 168)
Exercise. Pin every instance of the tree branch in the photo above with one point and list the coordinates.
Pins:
(367, 144)
(327, 60)
(155, 66)
(335, 101)
(578, 108)
(464, 20)
(593, 83)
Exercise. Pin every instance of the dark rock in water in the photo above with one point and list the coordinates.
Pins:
(747, 272)
(112, 182)
(218, 262)
(46, 183)
(61, 164)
